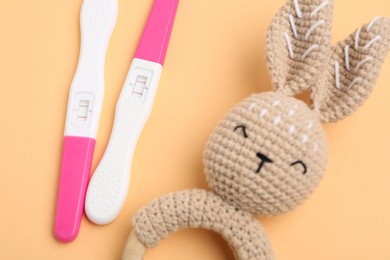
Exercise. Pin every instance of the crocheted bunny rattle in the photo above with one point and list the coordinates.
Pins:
(269, 153)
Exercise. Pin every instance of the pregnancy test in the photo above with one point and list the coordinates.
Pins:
(109, 184)
(97, 21)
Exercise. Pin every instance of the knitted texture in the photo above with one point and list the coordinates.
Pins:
(202, 209)
(298, 45)
(283, 129)
(269, 153)
(359, 59)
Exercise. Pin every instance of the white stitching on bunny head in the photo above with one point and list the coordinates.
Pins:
(278, 118)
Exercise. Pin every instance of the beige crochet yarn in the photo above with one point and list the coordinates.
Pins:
(269, 153)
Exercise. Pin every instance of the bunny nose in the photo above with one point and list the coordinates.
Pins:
(264, 159)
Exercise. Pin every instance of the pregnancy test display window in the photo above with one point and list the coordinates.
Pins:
(82, 114)
(139, 85)
(82, 110)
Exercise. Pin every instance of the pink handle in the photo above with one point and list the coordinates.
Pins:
(75, 170)
(155, 39)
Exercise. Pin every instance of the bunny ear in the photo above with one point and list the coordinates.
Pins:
(353, 70)
(299, 44)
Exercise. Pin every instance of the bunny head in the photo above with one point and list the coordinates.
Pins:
(270, 152)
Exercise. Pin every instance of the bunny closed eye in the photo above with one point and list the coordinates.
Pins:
(243, 129)
(302, 164)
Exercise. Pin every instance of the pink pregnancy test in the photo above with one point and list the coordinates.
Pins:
(97, 21)
(109, 184)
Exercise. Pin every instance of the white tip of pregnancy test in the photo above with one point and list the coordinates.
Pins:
(99, 15)
(106, 194)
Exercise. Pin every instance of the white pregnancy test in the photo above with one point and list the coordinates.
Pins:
(109, 184)
(97, 21)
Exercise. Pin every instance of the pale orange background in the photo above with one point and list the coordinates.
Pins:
(216, 58)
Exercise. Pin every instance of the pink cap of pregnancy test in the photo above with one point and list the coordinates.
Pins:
(155, 38)
(75, 170)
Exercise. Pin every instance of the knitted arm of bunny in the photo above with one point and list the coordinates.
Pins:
(197, 209)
